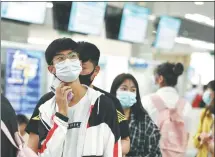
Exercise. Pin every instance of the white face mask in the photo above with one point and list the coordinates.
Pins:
(156, 86)
(68, 70)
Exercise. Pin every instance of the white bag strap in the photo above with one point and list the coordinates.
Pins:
(7, 133)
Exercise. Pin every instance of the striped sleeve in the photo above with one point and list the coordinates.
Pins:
(52, 146)
(113, 140)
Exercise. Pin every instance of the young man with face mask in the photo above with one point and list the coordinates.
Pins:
(76, 121)
(89, 54)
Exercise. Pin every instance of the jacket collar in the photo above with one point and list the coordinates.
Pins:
(49, 108)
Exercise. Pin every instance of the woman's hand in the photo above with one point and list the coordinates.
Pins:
(205, 138)
(211, 146)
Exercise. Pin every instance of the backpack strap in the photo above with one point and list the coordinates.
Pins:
(158, 102)
(7, 133)
(180, 105)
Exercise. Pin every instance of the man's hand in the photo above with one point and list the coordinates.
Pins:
(61, 98)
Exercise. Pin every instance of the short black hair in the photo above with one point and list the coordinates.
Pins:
(88, 52)
(137, 108)
(170, 72)
(22, 119)
(58, 45)
(211, 85)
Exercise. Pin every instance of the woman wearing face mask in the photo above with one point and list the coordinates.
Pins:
(144, 134)
(204, 138)
(169, 111)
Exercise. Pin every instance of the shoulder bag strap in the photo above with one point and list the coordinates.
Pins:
(7, 133)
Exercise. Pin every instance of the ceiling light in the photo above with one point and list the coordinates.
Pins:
(198, 3)
(49, 5)
(200, 18)
(152, 17)
(195, 43)
(182, 40)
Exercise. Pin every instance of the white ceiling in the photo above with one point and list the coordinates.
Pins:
(175, 8)
(182, 8)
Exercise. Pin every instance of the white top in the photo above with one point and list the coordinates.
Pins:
(170, 97)
(76, 115)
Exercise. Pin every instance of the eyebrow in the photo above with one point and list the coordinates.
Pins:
(68, 53)
(124, 85)
(127, 86)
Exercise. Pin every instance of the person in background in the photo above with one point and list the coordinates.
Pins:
(191, 93)
(204, 138)
(8, 116)
(144, 134)
(77, 121)
(163, 104)
(89, 54)
(23, 122)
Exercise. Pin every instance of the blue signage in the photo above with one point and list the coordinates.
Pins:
(87, 17)
(167, 31)
(23, 77)
(134, 23)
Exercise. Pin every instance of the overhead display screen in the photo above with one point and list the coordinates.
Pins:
(134, 23)
(30, 12)
(167, 31)
(87, 17)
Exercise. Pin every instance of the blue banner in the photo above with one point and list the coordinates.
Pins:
(134, 23)
(167, 31)
(23, 77)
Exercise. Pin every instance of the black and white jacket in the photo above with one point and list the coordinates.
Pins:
(101, 125)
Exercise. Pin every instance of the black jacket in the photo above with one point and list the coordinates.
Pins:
(8, 116)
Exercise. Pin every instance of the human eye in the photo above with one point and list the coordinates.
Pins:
(73, 56)
(123, 89)
(59, 59)
(134, 90)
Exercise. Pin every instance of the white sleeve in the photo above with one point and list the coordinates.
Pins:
(188, 116)
(53, 144)
(150, 108)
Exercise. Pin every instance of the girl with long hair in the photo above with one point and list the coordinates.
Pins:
(144, 134)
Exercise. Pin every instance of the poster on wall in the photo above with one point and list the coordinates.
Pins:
(23, 77)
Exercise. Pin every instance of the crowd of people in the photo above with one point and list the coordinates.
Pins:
(77, 119)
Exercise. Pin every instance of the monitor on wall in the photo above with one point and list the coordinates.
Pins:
(28, 12)
(134, 21)
(87, 17)
(167, 30)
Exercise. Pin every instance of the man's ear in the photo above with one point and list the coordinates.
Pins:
(96, 72)
(52, 69)
(97, 69)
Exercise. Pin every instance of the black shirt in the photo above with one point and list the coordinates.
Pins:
(34, 121)
(8, 116)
